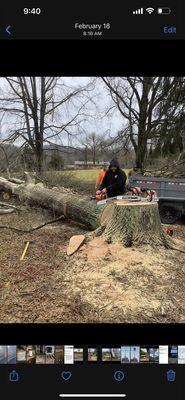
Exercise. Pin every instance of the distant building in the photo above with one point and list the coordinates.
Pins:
(69, 166)
(88, 164)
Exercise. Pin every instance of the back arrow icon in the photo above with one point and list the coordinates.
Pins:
(8, 29)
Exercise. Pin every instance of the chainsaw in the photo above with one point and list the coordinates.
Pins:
(101, 196)
(151, 195)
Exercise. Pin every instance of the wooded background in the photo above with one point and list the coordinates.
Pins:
(48, 123)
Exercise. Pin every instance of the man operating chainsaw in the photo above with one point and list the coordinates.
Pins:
(114, 181)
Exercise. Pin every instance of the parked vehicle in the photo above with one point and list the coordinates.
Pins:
(170, 193)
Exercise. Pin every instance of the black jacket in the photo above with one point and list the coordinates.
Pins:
(114, 182)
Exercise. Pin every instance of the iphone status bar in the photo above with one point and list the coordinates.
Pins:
(90, 21)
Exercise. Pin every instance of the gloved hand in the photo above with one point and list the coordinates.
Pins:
(135, 190)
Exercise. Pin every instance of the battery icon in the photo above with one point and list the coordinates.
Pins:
(164, 10)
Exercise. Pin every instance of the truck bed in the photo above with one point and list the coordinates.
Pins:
(165, 187)
(170, 194)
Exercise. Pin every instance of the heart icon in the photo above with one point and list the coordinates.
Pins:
(66, 375)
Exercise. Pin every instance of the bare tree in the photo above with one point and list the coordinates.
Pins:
(42, 109)
(138, 99)
(92, 142)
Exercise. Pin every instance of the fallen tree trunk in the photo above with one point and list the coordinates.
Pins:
(75, 207)
(126, 222)
(6, 185)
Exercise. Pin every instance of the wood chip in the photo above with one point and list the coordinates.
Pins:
(75, 242)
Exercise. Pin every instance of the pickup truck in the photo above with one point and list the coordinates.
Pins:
(170, 195)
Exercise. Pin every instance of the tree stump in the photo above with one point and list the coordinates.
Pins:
(134, 224)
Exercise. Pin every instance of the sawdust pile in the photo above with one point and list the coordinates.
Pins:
(128, 285)
(99, 283)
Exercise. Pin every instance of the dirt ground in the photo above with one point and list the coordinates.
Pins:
(100, 283)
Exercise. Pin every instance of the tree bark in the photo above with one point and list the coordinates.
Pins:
(75, 207)
(130, 223)
(134, 224)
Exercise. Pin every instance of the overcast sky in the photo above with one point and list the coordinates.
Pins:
(96, 121)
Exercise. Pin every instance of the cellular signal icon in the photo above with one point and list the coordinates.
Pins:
(139, 11)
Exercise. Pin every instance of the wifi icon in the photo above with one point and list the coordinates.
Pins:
(150, 10)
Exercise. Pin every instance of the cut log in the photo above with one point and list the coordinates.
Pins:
(73, 206)
(131, 223)
(6, 186)
(74, 244)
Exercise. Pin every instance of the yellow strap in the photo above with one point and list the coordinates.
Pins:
(24, 252)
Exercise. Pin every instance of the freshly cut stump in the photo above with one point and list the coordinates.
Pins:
(75, 242)
(134, 224)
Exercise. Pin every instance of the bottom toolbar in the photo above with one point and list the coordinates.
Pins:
(93, 381)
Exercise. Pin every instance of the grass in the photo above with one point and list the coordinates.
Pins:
(81, 180)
